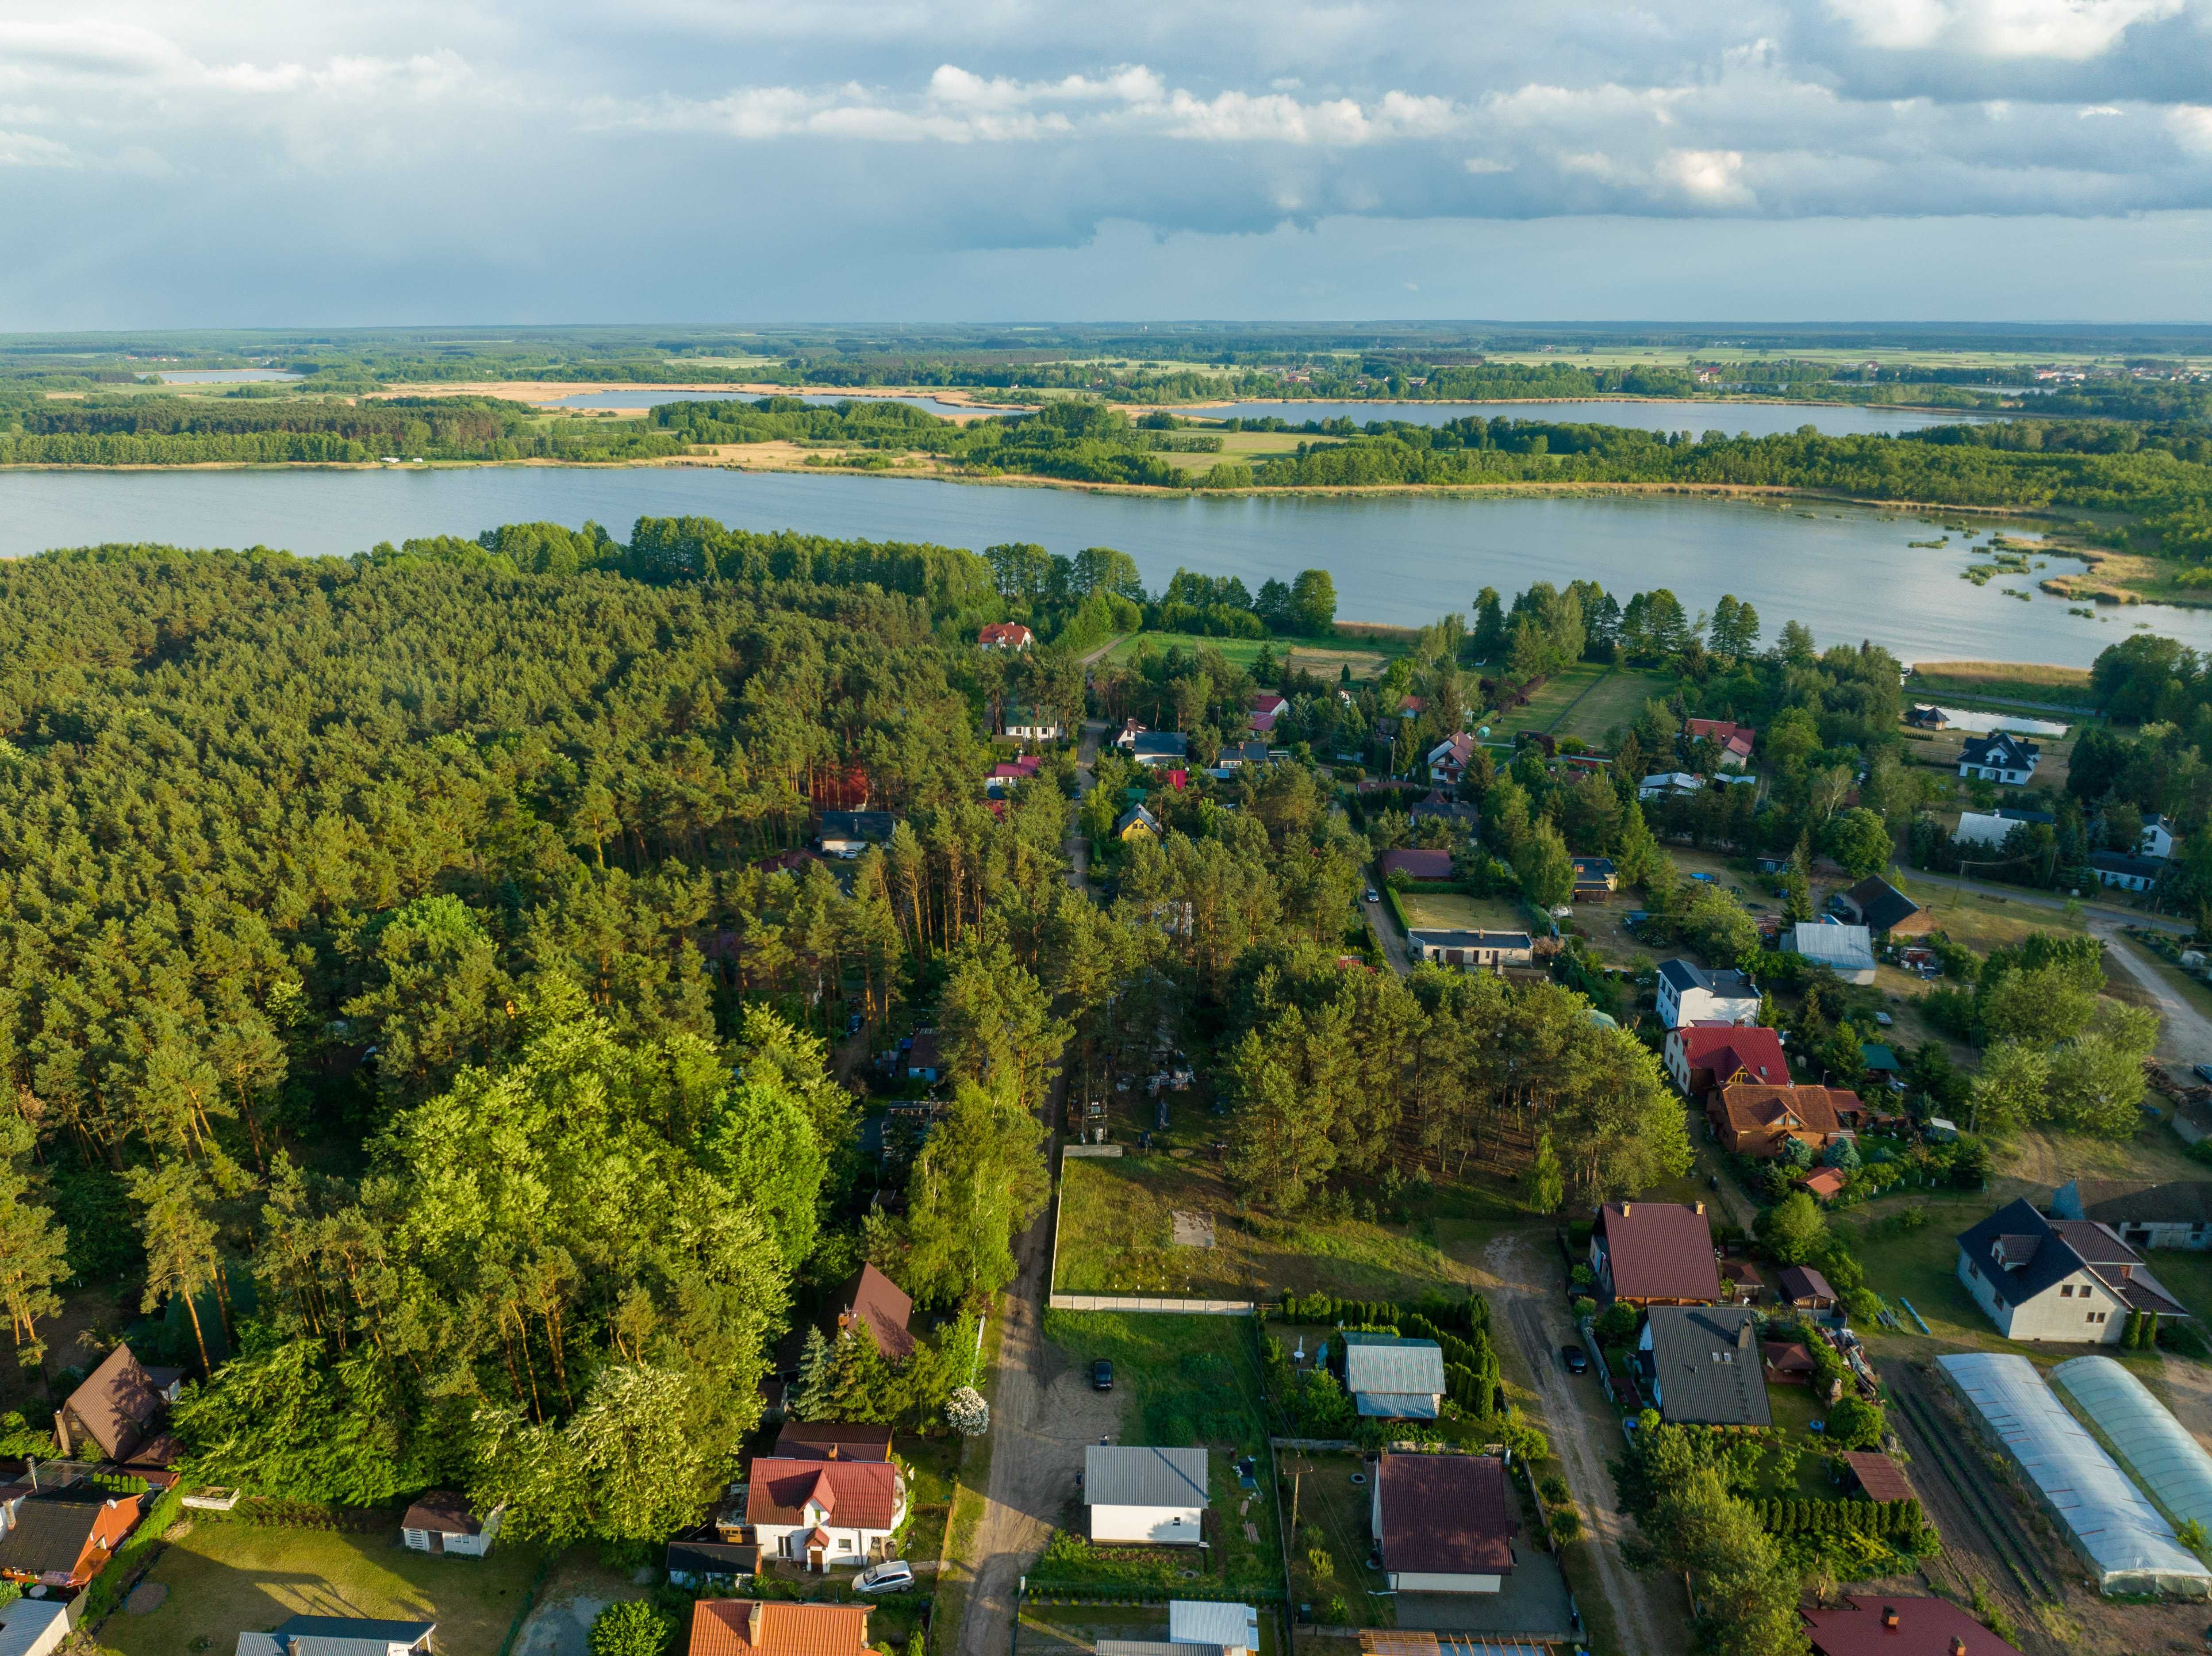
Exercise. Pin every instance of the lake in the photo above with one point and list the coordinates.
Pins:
(224, 376)
(1760, 419)
(646, 399)
(1846, 572)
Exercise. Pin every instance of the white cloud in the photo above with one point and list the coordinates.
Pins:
(1710, 178)
(30, 149)
(2191, 126)
(2068, 29)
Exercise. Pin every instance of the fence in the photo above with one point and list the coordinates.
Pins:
(1067, 1151)
(1145, 1303)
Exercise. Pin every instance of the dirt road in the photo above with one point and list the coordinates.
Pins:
(2186, 1035)
(1585, 1436)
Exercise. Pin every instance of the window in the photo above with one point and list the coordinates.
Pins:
(2092, 1316)
(844, 1544)
(2065, 1291)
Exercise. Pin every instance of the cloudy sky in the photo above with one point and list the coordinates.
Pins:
(192, 162)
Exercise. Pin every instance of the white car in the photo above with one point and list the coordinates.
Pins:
(893, 1575)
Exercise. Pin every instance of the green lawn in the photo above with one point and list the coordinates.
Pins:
(1116, 1226)
(1587, 701)
(229, 1579)
(1448, 911)
(1189, 1380)
(1335, 1519)
(1238, 652)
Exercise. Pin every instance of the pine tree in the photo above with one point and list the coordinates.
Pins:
(812, 1394)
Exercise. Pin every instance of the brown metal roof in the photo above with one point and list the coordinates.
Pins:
(117, 1402)
(1446, 1514)
(1659, 1251)
(875, 1297)
(1881, 1478)
(832, 1439)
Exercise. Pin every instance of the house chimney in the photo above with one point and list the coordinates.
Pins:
(1958, 1645)
(1701, 1209)
(1627, 1208)
(833, 1451)
(1889, 1617)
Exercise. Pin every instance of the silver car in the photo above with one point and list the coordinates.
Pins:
(892, 1575)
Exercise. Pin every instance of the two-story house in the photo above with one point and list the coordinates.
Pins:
(2069, 1280)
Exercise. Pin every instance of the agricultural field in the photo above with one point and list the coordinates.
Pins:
(1450, 911)
(1118, 1228)
(1999, 681)
(225, 1579)
(1587, 701)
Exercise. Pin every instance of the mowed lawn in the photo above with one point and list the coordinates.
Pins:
(228, 1579)
(1116, 1226)
(1449, 911)
(1587, 701)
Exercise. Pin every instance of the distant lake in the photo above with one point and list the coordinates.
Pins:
(646, 399)
(1984, 724)
(1846, 572)
(223, 376)
(1760, 419)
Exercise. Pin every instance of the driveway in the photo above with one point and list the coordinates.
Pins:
(1387, 936)
(1585, 1434)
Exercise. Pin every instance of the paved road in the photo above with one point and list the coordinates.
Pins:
(1584, 1435)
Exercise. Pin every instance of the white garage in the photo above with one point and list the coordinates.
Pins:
(1146, 1495)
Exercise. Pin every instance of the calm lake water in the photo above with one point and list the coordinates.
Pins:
(224, 376)
(1760, 419)
(646, 399)
(1848, 574)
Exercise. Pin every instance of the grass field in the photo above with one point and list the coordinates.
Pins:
(1979, 919)
(1115, 1226)
(1239, 652)
(1187, 1379)
(1366, 656)
(1587, 701)
(2023, 681)
(229, 1579)
(1449, 911)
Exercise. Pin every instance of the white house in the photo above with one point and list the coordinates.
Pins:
(1448, 759)
(1472, 950)
(1991, 827)
(1033, 725)
(443, 1521)
(2114, 868)
(1846, 950)
(1443, 1523)
(2001, 757)
(1006, 635)
(2159, 835)
(1690, 994)
(824, 1514)
(2065, 1280)
(1148, 1494)
(2178, 1214)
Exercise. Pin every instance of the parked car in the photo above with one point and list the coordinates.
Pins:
(892, 1575)
(1101, 1375)
(1577, 1359)
(1373, 895)
(2204, 1073)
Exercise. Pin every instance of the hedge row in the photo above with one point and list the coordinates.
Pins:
(1889, 1520)
(1469, 1315)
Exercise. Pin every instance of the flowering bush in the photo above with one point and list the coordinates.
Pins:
(967, 1413)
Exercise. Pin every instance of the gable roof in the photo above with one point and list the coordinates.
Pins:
(870, 1296)
(1416, 864)
(1506, 940)
(1142, 1475)
(1706, 1362)
(701, 1551)
(336, 1635)
(1004, 632)
(1880, 1476)
(1761, 1109)
(1732, 738)
(1659, 1251)
(2126, 1201)
(52, 1528)
(1825, 1183)
(1446, 1514)
(1136, 815)
(725, 1626)
(801, 1440)
(1803, 1283)
(1393, 1378)
(1925, 1627)
(117, 1403)
(858, 1495)
(446, 1511)
(1880, 905)
(1267, 702)
(1155, 744)
(1726, 1048)
(1433, 803)
(1254, 752)
(2001, 751)
(2119, 862)
(1684, 975)
(2026, 1255)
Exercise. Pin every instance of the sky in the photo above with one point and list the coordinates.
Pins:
(236, 163)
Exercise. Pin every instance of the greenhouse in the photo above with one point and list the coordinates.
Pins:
(2168, 1465)
(2129, 1547)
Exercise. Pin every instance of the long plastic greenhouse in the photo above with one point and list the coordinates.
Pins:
(2170, 1466)
(2130, 1547)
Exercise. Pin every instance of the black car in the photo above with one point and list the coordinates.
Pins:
(1577, 1359)
(1101, 1375)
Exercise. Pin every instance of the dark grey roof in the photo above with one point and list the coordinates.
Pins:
(1803, 1283)
(701, 1551)
(336, 1636)
(1250, 753)
(2018, 814)
(2125, 1201)
(1706, 1359)
(52, 1528)
(1446, 939)
(1161, 744)
(873, 826)
(1880, 905)
(2003, 751)
(2040, 1254)
(2119, 862)
(1689, 975)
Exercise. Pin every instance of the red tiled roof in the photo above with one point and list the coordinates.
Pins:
(1925, 1627)
(1735, 738)
(1004, 632)
(1446, 1514)
(1660, 1250)
(875, 1297)
(1760, 1109)
(1416, 864)
(1822, 1185)
(802, 1440)
(724, 1626)
(1267, 702)
(858, 1494)
(1878, 1475)
(1724, 1049)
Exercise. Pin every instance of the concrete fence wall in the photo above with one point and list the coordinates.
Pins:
(1140, 1302)
(1089, 1149)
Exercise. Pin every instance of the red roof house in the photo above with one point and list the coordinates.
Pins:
(870, 1296)
(1006, 635)
(1703, 1056)
(1444, 1523)
(824, 1513)
(1732, 740)
(1900, 1624)
(1654, 1254)
(753, 1626)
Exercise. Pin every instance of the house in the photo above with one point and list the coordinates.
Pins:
(1006, 635)
(824, 1513)
(33, 1627)
(1878, 1477)
(1416, 864)
(1474, 949)
(338, 1635)
(1928, 719)
(2141, 1213)
(848, 833)
(833, 1440)
(121, 1407)
(1233, 1629)
(1136, 823)
(1595, 879)
(753, 1626)
(1034, 725)
(1786, 1363)
(1267, 705)
(1823, 1185)
(1701, 1056)
(442, 1521)
(868, 1296)
(1703, 1364)
(1690, 994)
(2072, 1280)
(1393, 1378)
(1668, 784)
(1148, 1494)
(2115, 868)
(702, 1557)
(1436, 806)
(1153, 748)
(63, 1535)
(1880, 906)
(2002, 757)
(1879, 1060)
(1448, 759)
(1236, 755)
(1654, 1254)
(1443, 1523)
(1991, 827)
(1732, 740)
(1805, 1289)
(1899, 1624)
(921, 1061)
(1846, 950)
(1758, 1120)
(2159, 835)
